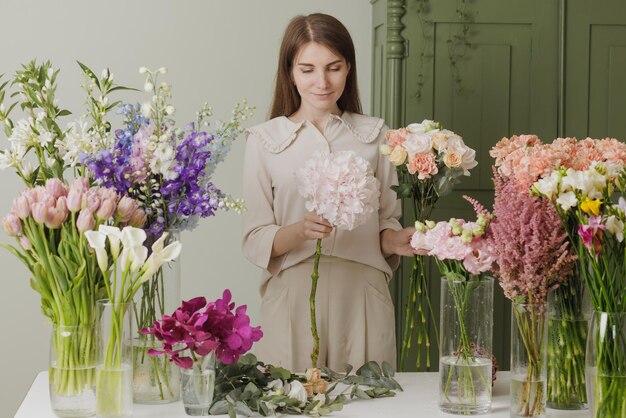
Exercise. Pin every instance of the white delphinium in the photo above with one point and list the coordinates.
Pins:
(78, 140)
(163, 159)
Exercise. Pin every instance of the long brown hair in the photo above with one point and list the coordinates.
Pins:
(325, 30)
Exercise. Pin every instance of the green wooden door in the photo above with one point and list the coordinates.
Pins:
(595, 69)
(504, 82)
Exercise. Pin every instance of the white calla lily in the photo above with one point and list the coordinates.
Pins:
(132, 237)
(97, 241)
(138, 254)
(115, 236)
(159, 256)
(158, 245)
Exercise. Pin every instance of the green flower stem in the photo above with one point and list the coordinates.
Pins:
(531, 404)
(314, 276)
(424, 197)
(566, 346)
(609, 383)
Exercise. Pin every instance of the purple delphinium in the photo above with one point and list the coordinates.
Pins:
(175, 202)
(190, 193)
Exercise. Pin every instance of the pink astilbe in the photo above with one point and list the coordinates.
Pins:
(341, 187)
(533, 253)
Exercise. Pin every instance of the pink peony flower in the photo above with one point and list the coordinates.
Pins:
(340, 187)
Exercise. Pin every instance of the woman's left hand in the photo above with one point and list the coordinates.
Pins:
(397, 242)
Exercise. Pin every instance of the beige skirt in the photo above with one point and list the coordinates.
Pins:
(355, 316)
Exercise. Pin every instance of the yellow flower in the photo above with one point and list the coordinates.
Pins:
(591, 207)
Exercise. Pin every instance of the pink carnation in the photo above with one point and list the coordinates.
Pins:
(424, 164)
(506, 146)
(340, 187)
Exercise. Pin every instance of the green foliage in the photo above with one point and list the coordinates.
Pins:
(244, 388)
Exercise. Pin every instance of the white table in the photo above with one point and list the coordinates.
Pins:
(419, 399)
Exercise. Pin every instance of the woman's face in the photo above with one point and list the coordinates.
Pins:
(320, 77)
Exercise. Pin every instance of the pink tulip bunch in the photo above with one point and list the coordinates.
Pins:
(203, 328)
(53, 204)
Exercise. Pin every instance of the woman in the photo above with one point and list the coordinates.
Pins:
(316, 107)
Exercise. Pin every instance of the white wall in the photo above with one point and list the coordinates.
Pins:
(217, 51)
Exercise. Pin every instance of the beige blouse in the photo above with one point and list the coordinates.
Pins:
(275, 150)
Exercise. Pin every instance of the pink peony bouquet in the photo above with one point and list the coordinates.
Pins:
(202, 328)
(341, 188)
(430, 161)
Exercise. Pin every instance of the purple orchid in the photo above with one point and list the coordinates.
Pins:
(203, 328)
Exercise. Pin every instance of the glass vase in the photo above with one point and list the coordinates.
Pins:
(606, 365)
(529, 338)
(72, 370)
(466, 322)
(155, 378)
(114, 371)
(198, 384)
(568, 322)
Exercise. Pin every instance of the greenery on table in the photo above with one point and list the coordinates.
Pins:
(243, 388)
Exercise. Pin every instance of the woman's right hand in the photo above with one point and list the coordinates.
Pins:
(315, 227)
(289, 237)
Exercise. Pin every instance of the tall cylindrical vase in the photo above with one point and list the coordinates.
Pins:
(568, 322)
(114, 372)
(155, 378)
(529, 337)
(606, 365)
(466, 322)
(72, 370)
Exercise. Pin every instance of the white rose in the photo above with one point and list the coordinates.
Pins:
(418, 144)
(384, 148)
(460, 154)
(416, 128)
(452, 159)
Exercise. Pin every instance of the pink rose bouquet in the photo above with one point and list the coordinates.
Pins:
(430, 160)
(341, 188)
